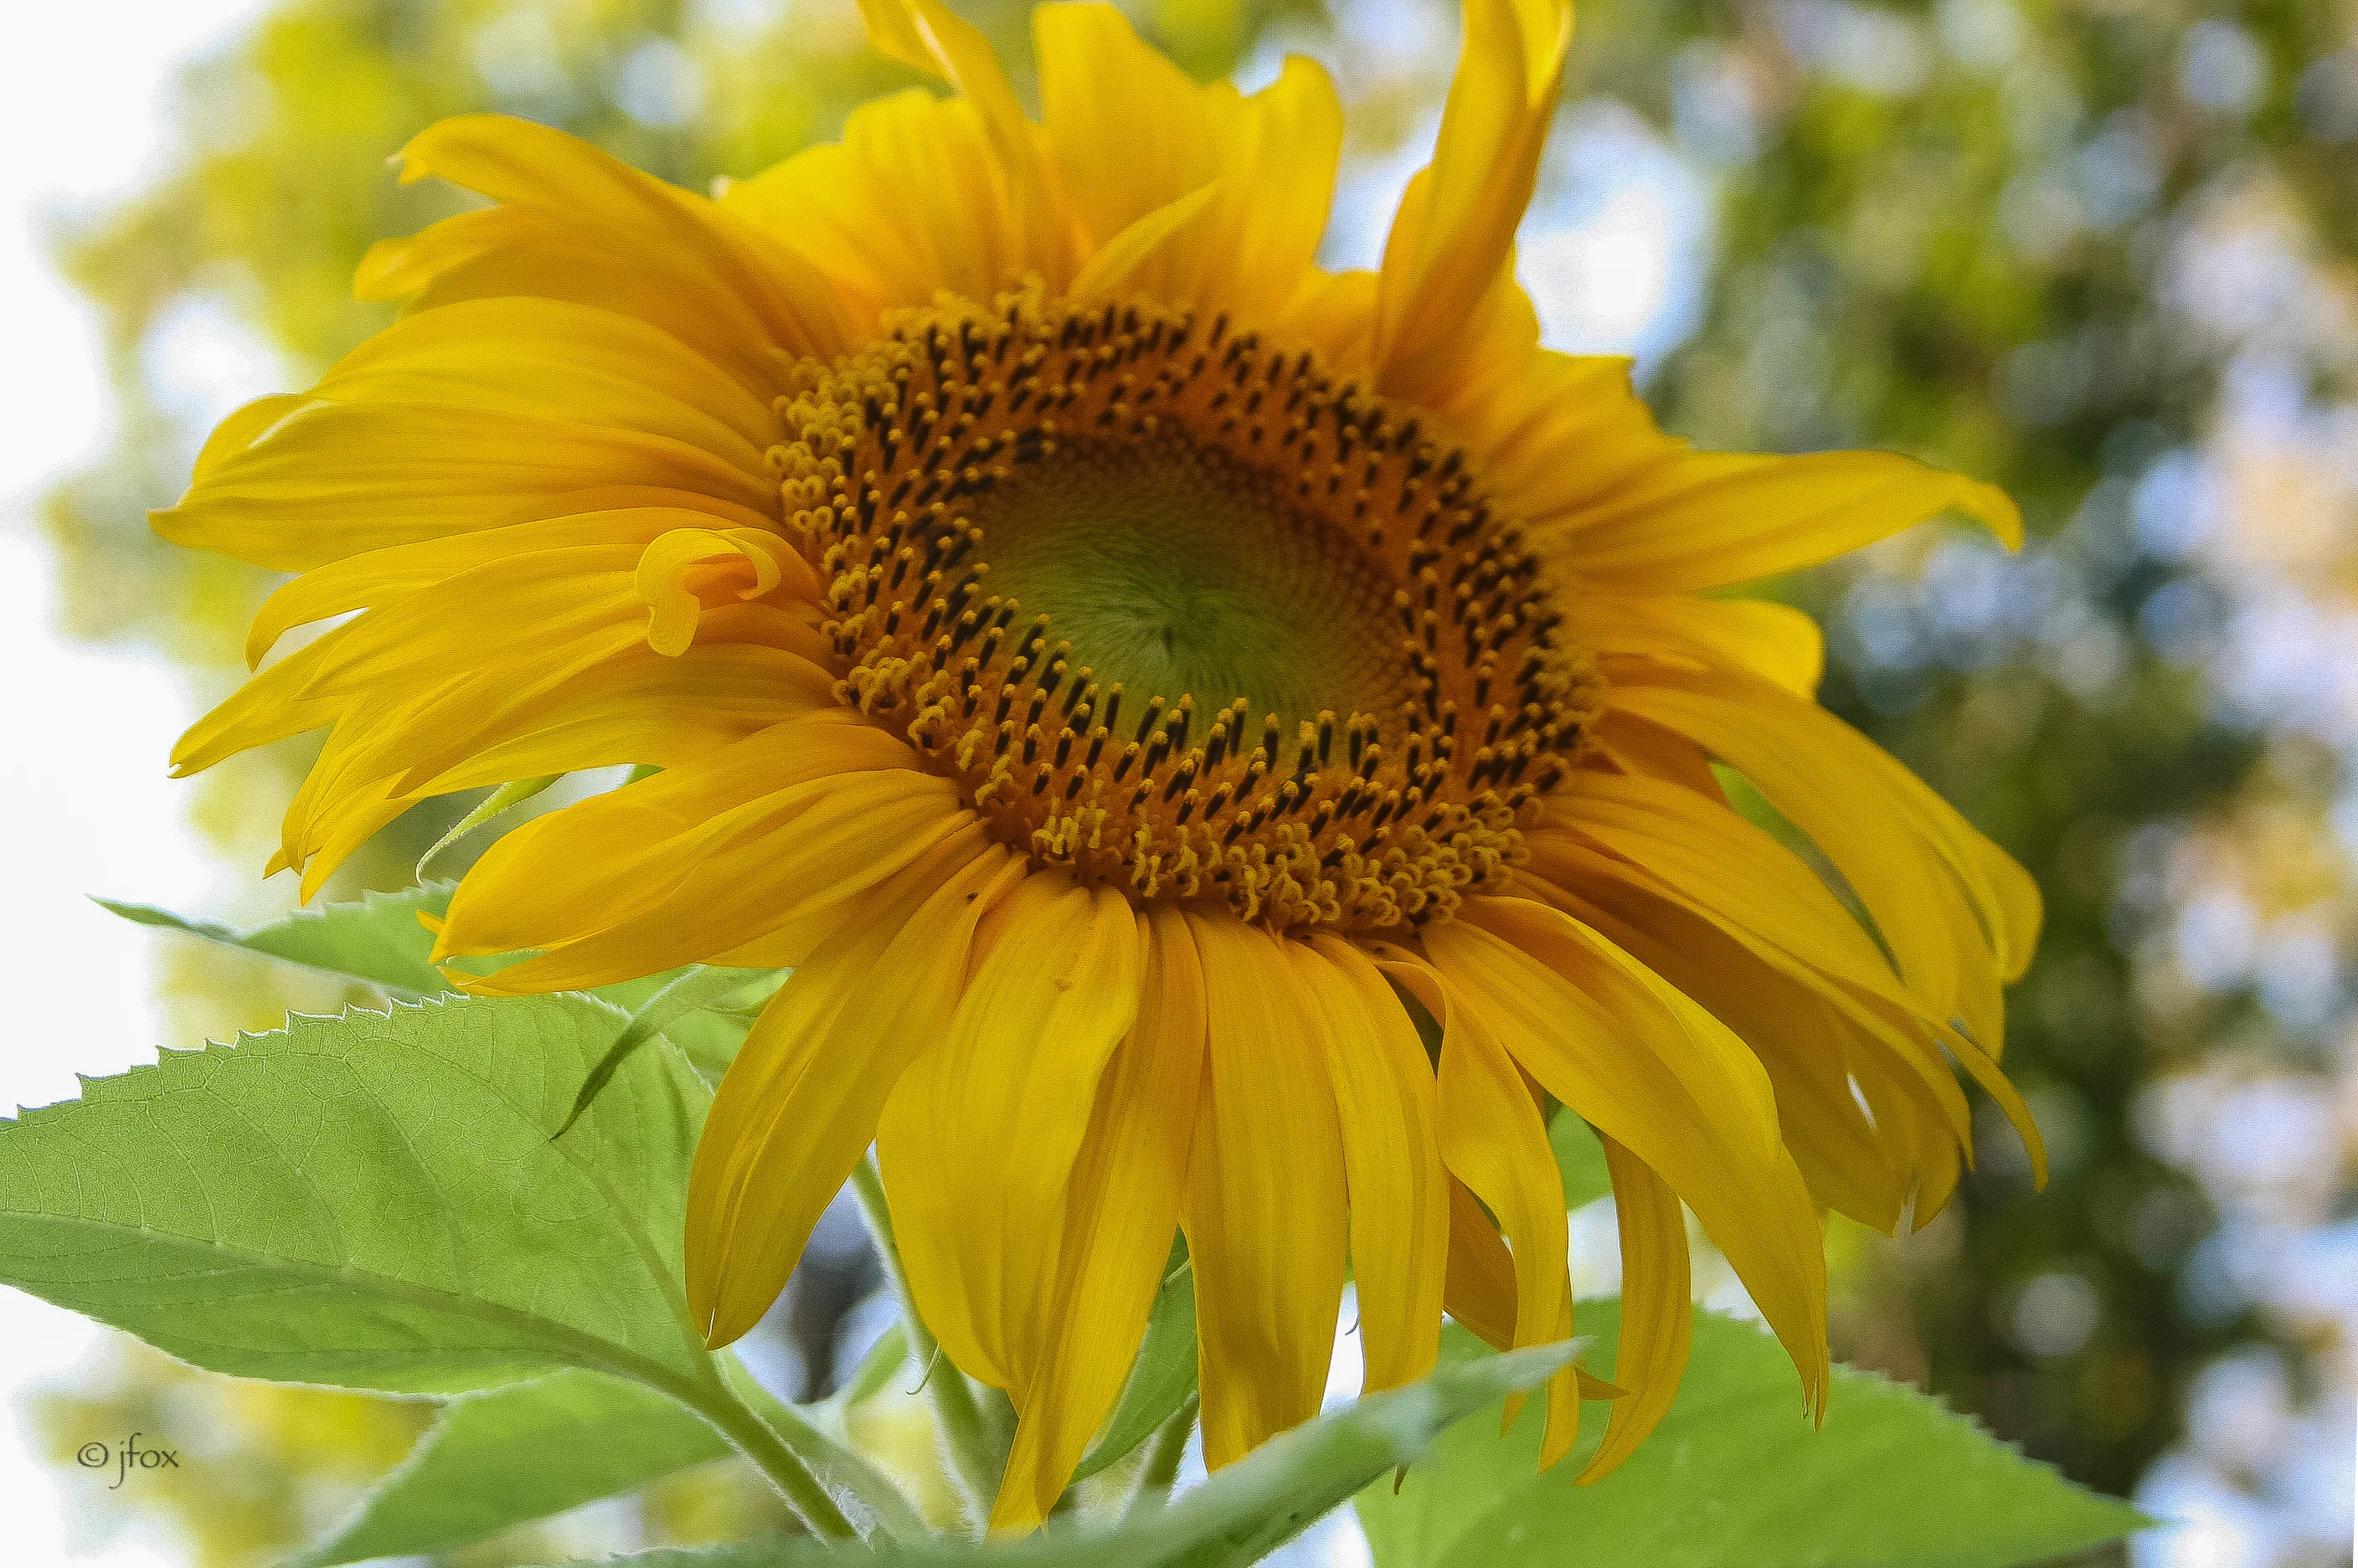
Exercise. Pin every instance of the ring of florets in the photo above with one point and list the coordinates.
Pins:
(889, 466)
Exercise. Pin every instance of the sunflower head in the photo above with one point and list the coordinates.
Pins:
(1141, 683)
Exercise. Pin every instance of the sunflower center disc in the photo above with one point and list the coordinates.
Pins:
(1181, 612)
(1179, 573)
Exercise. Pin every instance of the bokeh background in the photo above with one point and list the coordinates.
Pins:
(2098, 251)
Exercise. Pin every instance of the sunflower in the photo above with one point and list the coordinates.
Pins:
(1224, 747)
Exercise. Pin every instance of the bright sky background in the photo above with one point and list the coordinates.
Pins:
(83, 790)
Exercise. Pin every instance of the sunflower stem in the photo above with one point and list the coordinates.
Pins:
(1163, 1451)
(741, 1424)
(973, 1460)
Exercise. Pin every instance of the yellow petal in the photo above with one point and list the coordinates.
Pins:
(1696, 520)
(1493, 1141)
(373, 577)
(1267, 1213)
(911, 203)
(1657, 1314)
(1452, 240)
(800, 1102)
(1958, 915)
(1775, 642)
(978, 1142)
(783, 300)
(582, 870)
(549, 252)
(333, 480)
(1128, 1183)
(1392, 1155)
(1651, 1069)
(541, 356)
(929, 37)
(1134, 138)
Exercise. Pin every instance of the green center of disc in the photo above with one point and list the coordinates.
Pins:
(1182, 574)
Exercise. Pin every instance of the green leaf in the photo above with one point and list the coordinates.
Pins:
(1736, 1474)
(1581, 1158)
(1163, 1376)
(527, 1450)
(1237, 1517)
(380, 941)
(374, 1201)
(377, 940)
(519, 1452)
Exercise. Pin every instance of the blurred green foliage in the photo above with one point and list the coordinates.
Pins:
(1948, 227)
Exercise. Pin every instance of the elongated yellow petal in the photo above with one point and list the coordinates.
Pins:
(1804, 1039)
(1135, 137)
(380, 576)
(1452, 239)
(1399, 1206)
(911, 202)
(1775, 642)
(1267, 1216)
(332, 480)
(1128, 1183)
(1492, 1141)
(1656, 1315)
(779, 298)
(524, 356)
(929, 37)
(1958, 915)
(1695, 520)
(1651, 1069)
(801, 1101)
(977, 1142)
(580, 872)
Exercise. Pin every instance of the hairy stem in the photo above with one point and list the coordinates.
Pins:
(1163, 1451)
(975, 1459)
(737, 1421)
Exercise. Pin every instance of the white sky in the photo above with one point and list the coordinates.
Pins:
(82, 789)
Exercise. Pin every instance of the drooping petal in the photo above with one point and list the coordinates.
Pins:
(1656, 1315)
(1267, 1216)
(1494, 1142)
(1128, 1184)
(1655, 1072)
(1959, 916)
(1399, 1206)
(800, 1103)
(978, 1142)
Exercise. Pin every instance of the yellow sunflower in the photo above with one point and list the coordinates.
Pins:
(1135, 679)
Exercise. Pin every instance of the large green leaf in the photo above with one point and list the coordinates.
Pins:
(377, 940)
(1737, 1475)
(374, 1201)
(1237, 1517)
(525, 1451)
(1163, 1376)
(518, 1452)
